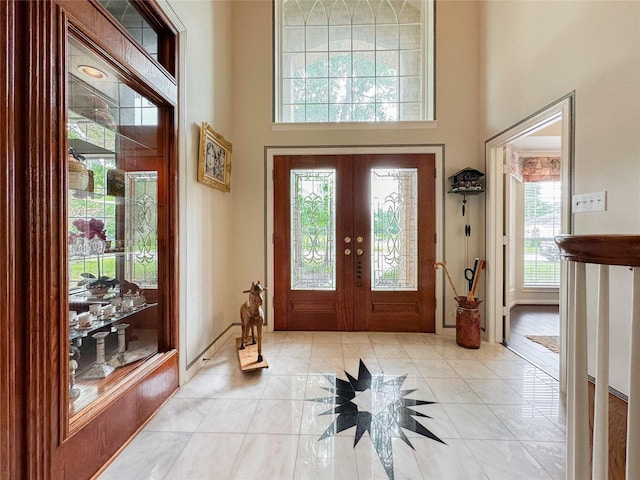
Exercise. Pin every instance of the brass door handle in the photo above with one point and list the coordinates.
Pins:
(347, 251)
(359, 252)
(347, 239)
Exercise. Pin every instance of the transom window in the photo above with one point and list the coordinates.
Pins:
(353, 60)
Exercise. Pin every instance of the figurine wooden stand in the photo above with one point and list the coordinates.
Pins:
(248, 357)
(251, 317)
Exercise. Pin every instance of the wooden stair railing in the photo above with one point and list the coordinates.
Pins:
(603, 250)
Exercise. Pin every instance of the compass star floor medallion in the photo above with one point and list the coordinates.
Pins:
(376, 405)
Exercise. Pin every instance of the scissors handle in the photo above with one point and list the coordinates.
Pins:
(469, 275)
(472, 272)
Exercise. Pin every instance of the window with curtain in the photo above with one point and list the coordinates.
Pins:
(353, 60)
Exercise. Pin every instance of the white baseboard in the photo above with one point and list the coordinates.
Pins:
(448, 332)
(535, 302)
(196, 366)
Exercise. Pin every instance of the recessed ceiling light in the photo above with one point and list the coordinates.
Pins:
(92, 72)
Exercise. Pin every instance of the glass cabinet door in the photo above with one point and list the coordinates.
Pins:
(115, 165)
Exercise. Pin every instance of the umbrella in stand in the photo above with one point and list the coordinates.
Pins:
(472, 294)
(443, 264)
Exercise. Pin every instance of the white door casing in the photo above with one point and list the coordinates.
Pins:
(495, 210)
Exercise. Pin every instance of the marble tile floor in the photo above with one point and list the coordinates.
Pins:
(479, 414)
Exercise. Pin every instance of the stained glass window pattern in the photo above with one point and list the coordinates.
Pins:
(141, 266)
(353, 60)
(394, 229)
(313, 229)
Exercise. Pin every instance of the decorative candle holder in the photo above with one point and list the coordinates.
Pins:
(101, 369)
(120, 358)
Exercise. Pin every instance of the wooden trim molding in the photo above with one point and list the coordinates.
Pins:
(171, 337)
(39, 245)
(10, 416)
(98, 28)
(83, 454)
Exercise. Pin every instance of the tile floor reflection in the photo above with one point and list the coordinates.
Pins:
(535, 320)
(496, 416)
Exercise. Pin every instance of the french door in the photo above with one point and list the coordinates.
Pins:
(354, 242)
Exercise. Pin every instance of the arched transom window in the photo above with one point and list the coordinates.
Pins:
(353, 60)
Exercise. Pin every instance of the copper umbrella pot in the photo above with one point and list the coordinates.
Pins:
(468, 331)
(468, 326)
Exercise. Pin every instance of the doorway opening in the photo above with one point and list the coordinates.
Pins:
(533, 208)
(529, 190)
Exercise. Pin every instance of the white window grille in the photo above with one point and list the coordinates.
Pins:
(353, 60)
(542, 201)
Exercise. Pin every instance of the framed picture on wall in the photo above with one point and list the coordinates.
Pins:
(214, 162)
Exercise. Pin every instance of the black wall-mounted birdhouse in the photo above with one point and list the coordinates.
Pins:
(467, 182)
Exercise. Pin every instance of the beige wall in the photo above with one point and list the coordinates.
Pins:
(497, 63)
(206, 214)
(457, 112)
(534, 52)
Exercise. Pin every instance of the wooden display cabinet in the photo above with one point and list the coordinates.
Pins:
(60, 419)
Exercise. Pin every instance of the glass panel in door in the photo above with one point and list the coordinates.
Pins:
(394, 229)
(313, 229)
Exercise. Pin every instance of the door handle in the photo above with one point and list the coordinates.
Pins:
(359, 252)
(347, 251)
(347, 239)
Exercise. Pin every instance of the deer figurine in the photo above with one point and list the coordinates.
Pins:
(251, 315)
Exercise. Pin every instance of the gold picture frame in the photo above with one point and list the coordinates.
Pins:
(214, 162)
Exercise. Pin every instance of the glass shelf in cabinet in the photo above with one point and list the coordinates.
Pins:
(107, 253)
(101, 321)
(76, 122)
(79, 194)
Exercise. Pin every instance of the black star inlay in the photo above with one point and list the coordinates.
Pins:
(376, 405)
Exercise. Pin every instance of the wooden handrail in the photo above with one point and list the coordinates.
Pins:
(623, 250)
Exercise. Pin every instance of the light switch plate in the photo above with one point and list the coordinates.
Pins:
(589, 202)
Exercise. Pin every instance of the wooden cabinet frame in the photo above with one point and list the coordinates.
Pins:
(11, 416)
(35, 439)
